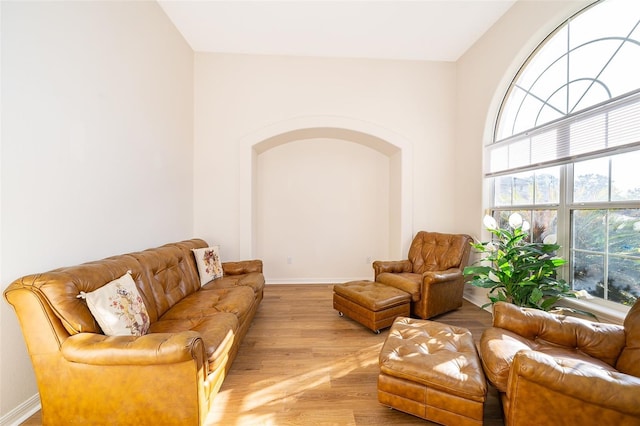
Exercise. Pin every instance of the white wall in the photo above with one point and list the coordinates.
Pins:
(240, 95)
(96, 150)
(322, 204)
(484, 73)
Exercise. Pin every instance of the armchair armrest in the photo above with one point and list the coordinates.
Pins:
(587, 383)
(430, 277)
(242, 267)
(392, 266)
(150, 349)
(441, 291)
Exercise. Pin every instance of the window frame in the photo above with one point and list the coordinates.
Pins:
(566, 162)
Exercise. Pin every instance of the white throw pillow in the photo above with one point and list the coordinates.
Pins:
(209, 264)
(119, 308)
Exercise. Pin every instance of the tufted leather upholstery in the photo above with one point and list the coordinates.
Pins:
(168, 376)
(372, 304)
(432, 370)
(553, 369)
(432, 273)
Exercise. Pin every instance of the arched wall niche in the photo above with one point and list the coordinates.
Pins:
(380, 139)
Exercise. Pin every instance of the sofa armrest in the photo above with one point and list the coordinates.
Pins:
(536, 376)
(150, 349)
(242, 267)
(392, 266)
(599, 340)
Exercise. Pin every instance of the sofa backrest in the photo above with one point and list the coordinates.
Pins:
(434, 251)
(163, 275)
(599, 340)
(629, 361)
(170, 274)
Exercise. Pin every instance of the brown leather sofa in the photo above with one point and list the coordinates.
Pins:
(432, 273)
(168, 376)
(556, 370)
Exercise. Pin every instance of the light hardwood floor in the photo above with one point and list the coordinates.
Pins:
(302, 364)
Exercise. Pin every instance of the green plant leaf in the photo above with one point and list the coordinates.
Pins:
(520, 272)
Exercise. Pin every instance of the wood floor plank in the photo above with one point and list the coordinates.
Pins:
(302, 364)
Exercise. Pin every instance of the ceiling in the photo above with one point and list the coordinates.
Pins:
(434, 30)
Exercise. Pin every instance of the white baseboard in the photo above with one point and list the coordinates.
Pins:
(313, 280)
(22, 412)
(478, 298)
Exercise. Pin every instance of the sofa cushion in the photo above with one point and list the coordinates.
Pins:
(209, 264)
(254, 280)
(629, 361)
(218, 331)
(118, 307)
(238, 301)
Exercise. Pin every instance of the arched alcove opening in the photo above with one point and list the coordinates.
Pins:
(332, 131)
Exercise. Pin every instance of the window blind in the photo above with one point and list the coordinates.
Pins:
(599, 130)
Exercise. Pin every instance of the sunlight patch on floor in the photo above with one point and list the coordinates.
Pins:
(274, 396)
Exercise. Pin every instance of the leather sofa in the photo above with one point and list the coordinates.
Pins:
(167, 376)
(552, 369)
(431, 274)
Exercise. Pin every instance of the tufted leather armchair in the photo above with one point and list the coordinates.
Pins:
(432, 274)
(552, 369)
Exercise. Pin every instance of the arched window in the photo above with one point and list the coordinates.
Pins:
(566, 150)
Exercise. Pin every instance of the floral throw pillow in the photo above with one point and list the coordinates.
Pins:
(209, 264)
(118, 308)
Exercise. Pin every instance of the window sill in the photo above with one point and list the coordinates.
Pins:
(605, 311)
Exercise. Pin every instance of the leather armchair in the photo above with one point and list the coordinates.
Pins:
(553, 369)
(432, 273)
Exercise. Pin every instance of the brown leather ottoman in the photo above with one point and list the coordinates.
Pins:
(372, 304)
(432, 370)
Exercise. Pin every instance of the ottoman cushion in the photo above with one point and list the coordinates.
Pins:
(372, 304)
(437, 355)
(432, 370)
(372, 295)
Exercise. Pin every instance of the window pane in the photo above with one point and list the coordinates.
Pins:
(502, 217)
(591, 181)
(512, 190)
(523, 188)
(502, 190)
(591, 59)
(548, 185)
(625, 178)
(624, 232)
(624, 280)
(545, 223)
(588, 273)
(588, 231)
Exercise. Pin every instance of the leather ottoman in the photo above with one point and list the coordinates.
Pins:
(432, 370)
(372, 304)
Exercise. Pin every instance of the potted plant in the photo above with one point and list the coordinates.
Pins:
(518, 271)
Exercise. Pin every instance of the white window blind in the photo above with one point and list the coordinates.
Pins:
(598, 130)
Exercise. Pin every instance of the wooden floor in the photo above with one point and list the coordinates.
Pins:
(302, 364)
